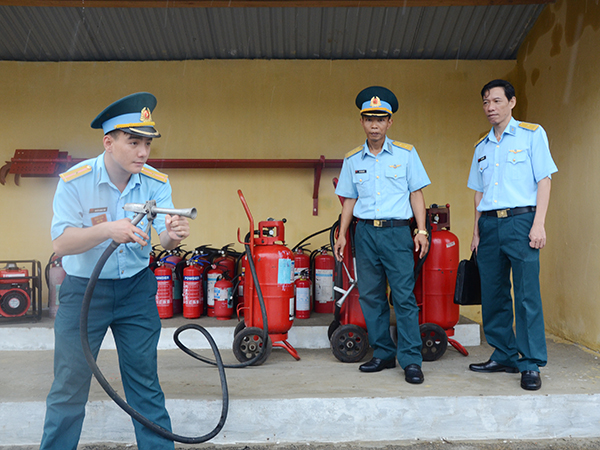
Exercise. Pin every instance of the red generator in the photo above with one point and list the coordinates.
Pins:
(434, 292)
(20, 290)
(274, 264)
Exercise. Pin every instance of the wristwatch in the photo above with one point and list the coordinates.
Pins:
(425, 232)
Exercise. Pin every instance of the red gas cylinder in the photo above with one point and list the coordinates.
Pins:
(226, 263)
(211, 278)
(164, 292)
(434, 289)
(303, 296)
(223, 307)
(324, 266)
(193, 298)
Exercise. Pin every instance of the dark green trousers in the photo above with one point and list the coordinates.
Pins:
(129, 307)
(385, 255)
(504, 246)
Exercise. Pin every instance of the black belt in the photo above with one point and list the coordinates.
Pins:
(387, 223)
(501, 213)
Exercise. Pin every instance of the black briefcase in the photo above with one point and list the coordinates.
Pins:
(468, 283)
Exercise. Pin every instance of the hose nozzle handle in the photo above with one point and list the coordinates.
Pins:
(152, 210)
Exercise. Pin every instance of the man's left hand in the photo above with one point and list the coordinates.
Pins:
(178, 227)
(537, 236)
(421, 245)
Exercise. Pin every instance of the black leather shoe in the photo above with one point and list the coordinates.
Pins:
(530, 380)
(377, 365)
(413, 374)
(492, 366)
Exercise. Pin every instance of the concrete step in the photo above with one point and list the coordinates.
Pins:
(319, 399)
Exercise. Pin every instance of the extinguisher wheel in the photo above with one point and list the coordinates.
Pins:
(248, 343)
(332, 327)
(239, 327)
(349, 343)
(14, 303)
(435, 341)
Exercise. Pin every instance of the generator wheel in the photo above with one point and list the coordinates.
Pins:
(14, 303)
(239, 327)
(349, 343)
(435, 341)
(248, 343)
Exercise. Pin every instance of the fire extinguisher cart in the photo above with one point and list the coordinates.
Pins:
(274, 269)
(434, 292)
(21, 290)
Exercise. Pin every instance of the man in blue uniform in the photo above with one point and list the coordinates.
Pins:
(88, 215)
(381, 184)
(510, 174)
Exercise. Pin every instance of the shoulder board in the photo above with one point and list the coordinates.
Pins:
(408, 147)
(353, 152)
(162, 177)
(529, 126)
(75, 173)
(480, 139)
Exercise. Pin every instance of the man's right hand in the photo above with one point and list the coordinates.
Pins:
(338, 248)
(475, 243)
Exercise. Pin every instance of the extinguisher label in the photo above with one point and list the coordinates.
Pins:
(323, 285)
(285, 271)
(292, 309)
(302, 299)
(163, 277)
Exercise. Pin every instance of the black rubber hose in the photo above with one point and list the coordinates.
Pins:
(308, 237)
(83, 331)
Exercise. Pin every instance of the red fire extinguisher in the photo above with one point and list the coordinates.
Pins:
(55, 275)
(193, 296)
(211, 278)
(303, 295)
(301, 262)
(223, 306)
(324, 266)
(164, 292)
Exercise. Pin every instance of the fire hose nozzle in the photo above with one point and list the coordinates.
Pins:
(152, 210)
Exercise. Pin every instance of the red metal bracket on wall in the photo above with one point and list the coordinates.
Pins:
(51, 163)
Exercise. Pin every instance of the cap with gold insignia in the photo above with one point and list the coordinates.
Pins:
(376, 101)
(131, 114)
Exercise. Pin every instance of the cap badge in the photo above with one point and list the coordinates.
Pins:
(375, 102)
(145, 115)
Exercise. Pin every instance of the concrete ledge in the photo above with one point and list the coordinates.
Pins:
(337, 419)
(311, 337)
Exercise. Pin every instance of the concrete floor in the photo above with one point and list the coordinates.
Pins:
(317, 399)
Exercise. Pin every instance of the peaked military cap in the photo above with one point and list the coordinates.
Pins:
(376, 101)
(131, 114)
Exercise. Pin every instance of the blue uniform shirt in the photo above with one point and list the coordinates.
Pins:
(89, 197)
(383, 183)
(507, 172)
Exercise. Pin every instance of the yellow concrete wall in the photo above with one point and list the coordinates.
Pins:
(559, 83)
(242, 109)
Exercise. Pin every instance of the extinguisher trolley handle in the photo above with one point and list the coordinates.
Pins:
(346, 292)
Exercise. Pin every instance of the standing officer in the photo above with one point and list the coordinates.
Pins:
(88, 215)
(510, 174)
(381, 184)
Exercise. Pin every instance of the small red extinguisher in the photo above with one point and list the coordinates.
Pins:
(193, 298)
(211, 278)
(164, 292)
(324, 266)
(223, 307)
(303, 296)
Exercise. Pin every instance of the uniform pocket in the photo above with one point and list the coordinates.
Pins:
(517, 166)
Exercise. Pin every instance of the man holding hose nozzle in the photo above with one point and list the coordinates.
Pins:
(88, 215)
(381, 183)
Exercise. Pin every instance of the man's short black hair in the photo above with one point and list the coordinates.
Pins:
(509, 90)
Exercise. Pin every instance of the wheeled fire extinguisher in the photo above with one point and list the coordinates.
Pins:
(193, 294)
(223, 306)
(15, 291)
(55, 275)
(324, 264)
(303, 306)
(164, 291)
